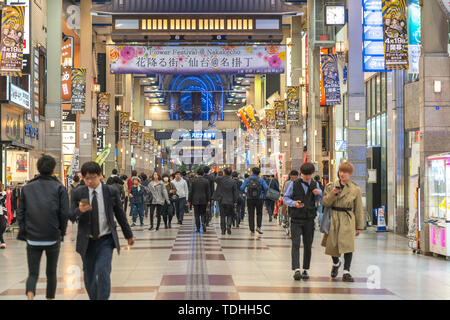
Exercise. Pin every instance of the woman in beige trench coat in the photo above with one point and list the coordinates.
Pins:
(347, 219)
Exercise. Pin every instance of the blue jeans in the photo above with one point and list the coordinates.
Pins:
(180, 204)
(217, 209)
(270, 205)
(97, 268)
(243, 207)
(137, 209)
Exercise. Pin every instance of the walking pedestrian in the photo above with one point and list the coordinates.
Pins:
(301, 196)
(159, 197)
(169, 208)
(293, 176)
(346, 222)
(274, 185)
(240, 200)
(244, 197)
(199, 197)
(124, 179)
(3, 215)
(319, 204)
(74, 184)
(226, 197)
(111, 178)
(210, 178)
(137, 201)
(42, 216)
(147, 193)
(256, 189)
(182, 192)
(94, 207)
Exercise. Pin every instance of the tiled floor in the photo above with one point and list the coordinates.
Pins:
(180, 264)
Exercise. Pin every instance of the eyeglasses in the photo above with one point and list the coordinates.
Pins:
(91, 178)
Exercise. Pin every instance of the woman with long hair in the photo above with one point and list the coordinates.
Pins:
(159, 198)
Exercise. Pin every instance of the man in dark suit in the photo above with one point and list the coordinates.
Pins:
(210, 177)
(200, 197)
(227, 196)
(94, 207)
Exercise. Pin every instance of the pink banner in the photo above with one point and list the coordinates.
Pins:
(443, 244)
(433, 236)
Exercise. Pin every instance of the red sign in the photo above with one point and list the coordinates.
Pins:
(66, 85)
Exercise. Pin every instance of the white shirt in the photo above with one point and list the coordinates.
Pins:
(103, 222)
(182, 187)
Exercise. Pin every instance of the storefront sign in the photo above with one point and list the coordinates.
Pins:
(11, 55)
(340, 146)
(280, 115)
(103, 110)
(36, 85)
(78, 90)
(19, 96)
(330, 79)
(373, 39)
(31, 132)
(395, 34)
(12, 128)
(293, 108)
(198, 60)
(270, 119)
(134, 133)
(124, 118)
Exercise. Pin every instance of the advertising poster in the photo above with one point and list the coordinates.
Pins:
(78, 90)
(252, 118)
(280, 116)
(36, 86)
(147, 142)
(270, 119)
(373, 39)
(134, 135)
(415, 38)
(124, 125)
(103, 110)
(12, 128)
(198, 60)
(293, 106)
(330, 79)
(66, 85)
(11, 55)
(395, 31)
(140, 136)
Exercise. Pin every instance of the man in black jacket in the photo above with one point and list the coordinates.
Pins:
(94, 207)
(199, 197)
(211, 179)
(42, 216)
(227, 197)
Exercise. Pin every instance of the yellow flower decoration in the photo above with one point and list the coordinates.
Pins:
(249, 49)
(282, 55)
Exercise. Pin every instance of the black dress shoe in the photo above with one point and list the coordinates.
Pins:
(335, 270)
(297, 275)
(305, 275)
(204, 228)
(223, 232)
(151, 228)
(347, 277)
(229, 230)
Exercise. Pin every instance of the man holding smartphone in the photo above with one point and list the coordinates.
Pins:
(94, 207)
(301, 196)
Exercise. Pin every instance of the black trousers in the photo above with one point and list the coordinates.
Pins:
(347, 260)
(303, 229)
(200, 214)
(158, 208)
(226, 216)
(34, 254)
(3, 222)
(252, 205)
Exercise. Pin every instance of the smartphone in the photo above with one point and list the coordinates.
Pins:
(85, 202)
(338, 187)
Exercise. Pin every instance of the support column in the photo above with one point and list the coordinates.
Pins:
(356, 141)
(127, 102)
(434, 122)
(296, 132)
(110, 137)
(53, 109)
(86, 127)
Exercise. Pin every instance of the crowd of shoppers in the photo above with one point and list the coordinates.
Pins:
(46, 206)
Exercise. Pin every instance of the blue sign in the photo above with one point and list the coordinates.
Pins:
(373, 40)
(414, 36)
(200, 135)
(31, 132)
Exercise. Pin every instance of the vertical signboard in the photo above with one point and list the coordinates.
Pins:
(78, 90)
(293, 105)
(330, 79)
(270, 119)
(415, 38)
(36, 78)
(103, 110)
(124, 118)
(395, 30)
(140, 136)
(66, 85)
(147, 142)
(280, 115)
(134, 133)
(12, 36)
(373, 39)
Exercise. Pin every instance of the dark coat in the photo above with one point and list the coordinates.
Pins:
(211, 179)
(113, 208)
(138, 195)
(199, 193)
(226, 192)
(43, 210)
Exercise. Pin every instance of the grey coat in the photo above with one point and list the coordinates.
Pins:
(159, 193)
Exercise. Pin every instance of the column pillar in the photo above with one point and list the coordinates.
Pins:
(86, 126)
(53, 109)
(434, 122)
(356, 131)
(127, 107)
(110, 136)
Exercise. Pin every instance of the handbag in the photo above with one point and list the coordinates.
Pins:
(326, 220)
(272, 194)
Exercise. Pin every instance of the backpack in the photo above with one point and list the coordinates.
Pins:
(254, 188)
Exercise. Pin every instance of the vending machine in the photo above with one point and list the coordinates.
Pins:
(437, 202)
